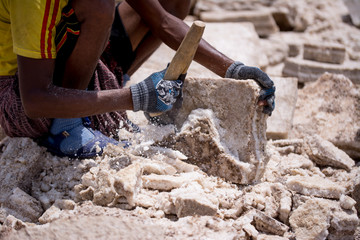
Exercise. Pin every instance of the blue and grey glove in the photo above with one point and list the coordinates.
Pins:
(154, 94)
(238, 70)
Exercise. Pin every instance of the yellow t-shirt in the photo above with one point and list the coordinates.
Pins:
(27, 28)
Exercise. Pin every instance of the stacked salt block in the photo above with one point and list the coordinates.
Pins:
(322, 105)
(263, 20)
(329, 53)
(320, 58)
(222, 130)
(280, 123)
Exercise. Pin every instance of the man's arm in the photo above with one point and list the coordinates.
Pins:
(172, 30)
(43, 99)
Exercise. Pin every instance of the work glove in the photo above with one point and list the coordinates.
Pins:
(154, 94)
(238, 70)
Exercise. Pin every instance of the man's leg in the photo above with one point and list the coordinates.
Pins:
(70, 137)
(142, 40)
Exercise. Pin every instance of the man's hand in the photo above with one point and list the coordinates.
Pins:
(154, 94)
(238, 70)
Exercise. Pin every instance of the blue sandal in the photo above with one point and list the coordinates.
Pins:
(94, 147)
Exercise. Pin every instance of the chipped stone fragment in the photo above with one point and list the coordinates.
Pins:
(14, 223)
(51, 214)
(23, 206)
(324, 153)
(315, 186)
(166, 182)
(326, 53)
(280, 122)
(311, 220)
(193, 204)
(128, 182)
(347, 202)
(356, 194)
(270, 237)
(105, 193)
(263, 20)
(309, 71)
(178, 164)
(268, 224)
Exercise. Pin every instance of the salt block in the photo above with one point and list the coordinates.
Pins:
(309, 71)
(315, 186)
(263, 20)
(320, 113)
(228, 139)
(354, 10)
(268, 224)
(280, 123)
(324, 153)
(167, 182)
(128, 182)
(194, 204)
(23, 206)
(326, 53)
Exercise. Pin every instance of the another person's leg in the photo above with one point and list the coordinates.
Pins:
(73, 137)
(143, 42)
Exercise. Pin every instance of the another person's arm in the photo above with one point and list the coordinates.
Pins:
(172, 30)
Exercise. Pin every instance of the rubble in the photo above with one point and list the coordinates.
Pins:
(320, 113)
(214, 175)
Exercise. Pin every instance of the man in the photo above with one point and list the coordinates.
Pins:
(58, 66)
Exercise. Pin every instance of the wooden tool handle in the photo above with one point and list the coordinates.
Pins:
(186, 51)
(185, 54)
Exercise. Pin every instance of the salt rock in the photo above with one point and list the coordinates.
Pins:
(347, 202)
(227, 140)
(324, 153)
(315, 186)
(128, 182)
(192, 200)
(167, 182)
(326, 53)
(23, 206)
(311, 220)
(323, 219)
(262, 19)
(21, 160)
(194, 204)
(280, 123)
(268, 224)
(319, 113)
(309, 71)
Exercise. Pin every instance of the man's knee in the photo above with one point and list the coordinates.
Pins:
(178, 8)
(99, 11)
